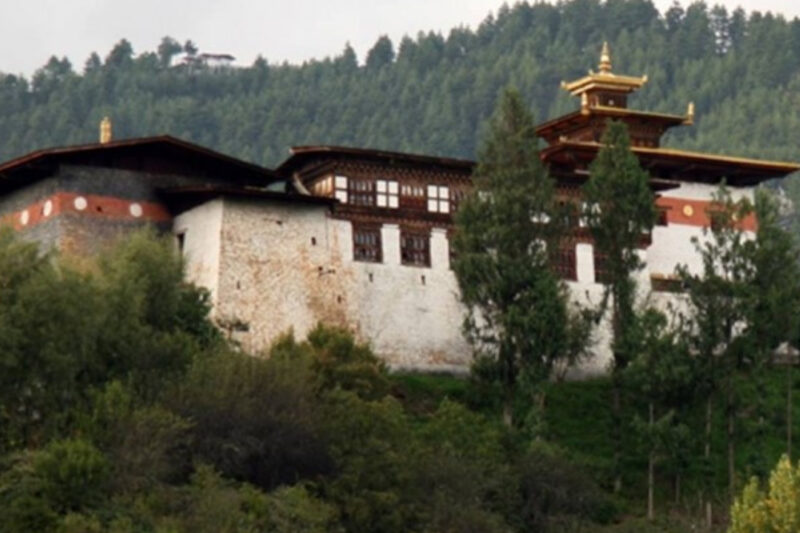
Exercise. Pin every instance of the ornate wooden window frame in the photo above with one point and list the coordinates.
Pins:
(415, 247)
(367, 243)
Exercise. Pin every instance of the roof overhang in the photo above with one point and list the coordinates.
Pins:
(180, 199)
(42, 163)
(677, 165)
(300, 155)
(551, 129)
(604, 81)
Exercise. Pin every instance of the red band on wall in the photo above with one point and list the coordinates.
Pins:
(89, 205)
(695, 213)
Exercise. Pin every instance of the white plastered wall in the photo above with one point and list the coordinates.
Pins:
(274, 266)
(201, 231)
(411, 315)
(672, 245)
(289, 266)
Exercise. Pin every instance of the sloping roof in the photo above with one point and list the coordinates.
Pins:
(682, 165)
(571, 121)
(41, 163)
(301, 154)
(604, 80)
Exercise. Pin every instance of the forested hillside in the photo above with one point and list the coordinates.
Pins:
(432, 93)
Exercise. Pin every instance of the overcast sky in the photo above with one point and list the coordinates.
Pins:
(33, 30)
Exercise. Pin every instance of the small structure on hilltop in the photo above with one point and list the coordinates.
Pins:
(209, 61)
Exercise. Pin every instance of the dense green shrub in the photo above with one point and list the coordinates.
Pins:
(253, 419)
(36, 487)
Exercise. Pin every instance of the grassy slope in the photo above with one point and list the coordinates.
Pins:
(578, 421)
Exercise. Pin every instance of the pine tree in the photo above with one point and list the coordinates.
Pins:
(718, 303)
(663, 374)
(381, 54)
(167, 49)
(772, 300)
(619, 213)
(517, 307)
(121, 56)
(93, 63)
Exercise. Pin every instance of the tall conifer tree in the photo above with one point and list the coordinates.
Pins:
(518, 317)
(619, 212)
(718, 298)
(773, 296)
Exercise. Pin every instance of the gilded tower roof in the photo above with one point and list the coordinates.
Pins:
(605, 79)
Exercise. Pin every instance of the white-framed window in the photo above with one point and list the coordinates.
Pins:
(438, 199)
(387, 194)
(340, 188)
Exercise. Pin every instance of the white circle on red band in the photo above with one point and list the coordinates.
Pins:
(24, 217)
(47, 210)
(136, 210)
(80, 203)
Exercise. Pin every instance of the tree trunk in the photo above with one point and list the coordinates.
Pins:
(789, 387)
(707, 457)
(509, 382)
(541, 424)
(616, 430)
(731, 442)
(508, 407)
(651, 460)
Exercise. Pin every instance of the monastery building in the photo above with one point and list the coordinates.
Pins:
(356, 237)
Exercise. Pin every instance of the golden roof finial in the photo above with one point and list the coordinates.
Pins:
(105, 130)
(690, 114)
(605, 59)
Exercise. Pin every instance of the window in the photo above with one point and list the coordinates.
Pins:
(451, 250)
(438, 199)
(565, 263)
(340, 184)
(456, 197)
(415, 247)
(412, 196)
(666, 283)
(367, 244)
(413, 190)
(588, 213)
(324, 187)
(601, 273)
(569, 211)
(661, 216)
(387, 194)
(361, 192)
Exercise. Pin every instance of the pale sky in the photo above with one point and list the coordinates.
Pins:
(294, 30)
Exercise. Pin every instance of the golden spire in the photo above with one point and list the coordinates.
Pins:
(105, 130)
(605, 59)
(604, 80)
